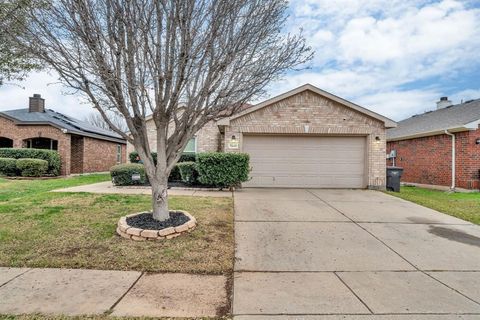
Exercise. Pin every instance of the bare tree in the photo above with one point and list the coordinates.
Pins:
(141, 57)
(97, 120)
(15, 63)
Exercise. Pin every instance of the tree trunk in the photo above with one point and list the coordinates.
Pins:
(160, 199)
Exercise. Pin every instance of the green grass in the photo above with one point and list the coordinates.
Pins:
(39, 228)
(12, 190)
(465, 206)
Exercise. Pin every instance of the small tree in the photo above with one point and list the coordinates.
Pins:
(185, 62)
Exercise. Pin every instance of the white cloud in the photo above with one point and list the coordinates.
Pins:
(396, 57)
(381, 46)
(465, 95)
(397, 104)
(57, 97)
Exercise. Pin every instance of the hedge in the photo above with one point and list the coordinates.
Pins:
(188, 172)
(8, 166)
(52, 157)
(29, 167)
(175, 173)
(134, 158)
(122, 174)
(222, 169)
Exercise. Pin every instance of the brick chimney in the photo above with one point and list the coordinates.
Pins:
(443, 103)
(36, 104)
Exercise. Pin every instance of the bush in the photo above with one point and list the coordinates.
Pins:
(29, 167)
(134, 158)
(175, 173)
(122, 174)
(52, 157)
(8, 166)
(188, 172)
(222, 169)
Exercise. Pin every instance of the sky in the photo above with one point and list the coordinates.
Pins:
(395, 57)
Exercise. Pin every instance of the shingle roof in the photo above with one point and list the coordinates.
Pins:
(72, 125)
(455, 117)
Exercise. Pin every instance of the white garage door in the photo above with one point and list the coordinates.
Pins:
(306, 162)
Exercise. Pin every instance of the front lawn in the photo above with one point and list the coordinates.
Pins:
(77, 230)
(465, 206)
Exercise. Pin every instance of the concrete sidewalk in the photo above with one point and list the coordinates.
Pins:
(351, 255)
(121, 293)
(108, 188)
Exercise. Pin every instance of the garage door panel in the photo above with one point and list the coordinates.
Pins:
(316, 162)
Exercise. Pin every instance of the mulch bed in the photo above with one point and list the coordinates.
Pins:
(146, 221)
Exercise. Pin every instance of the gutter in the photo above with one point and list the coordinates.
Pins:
(452, 188)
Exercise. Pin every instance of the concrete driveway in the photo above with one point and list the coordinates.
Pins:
(351, 254)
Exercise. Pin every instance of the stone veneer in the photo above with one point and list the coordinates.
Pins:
(324, 117)
(137, 234)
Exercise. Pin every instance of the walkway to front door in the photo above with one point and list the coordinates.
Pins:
(341, 254)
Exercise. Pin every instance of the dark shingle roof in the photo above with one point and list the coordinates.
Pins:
(433, 122)
(72, 125)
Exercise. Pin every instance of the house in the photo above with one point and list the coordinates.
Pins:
(440, 147)
(82, 147)
(305, 137)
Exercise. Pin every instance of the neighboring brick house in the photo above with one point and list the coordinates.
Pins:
(423, 146)
(82, 147)
(305, 137)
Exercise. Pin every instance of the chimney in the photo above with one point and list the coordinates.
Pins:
(443, 103)
(37, 103)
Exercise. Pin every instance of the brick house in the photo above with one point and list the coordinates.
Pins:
(82, 147)
(305, 137)
(440, 147)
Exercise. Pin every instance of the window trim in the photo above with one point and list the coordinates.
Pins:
(119, 153)
(194, 145)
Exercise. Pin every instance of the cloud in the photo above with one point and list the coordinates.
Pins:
(396, 57)
(57, 97)
(385, 50)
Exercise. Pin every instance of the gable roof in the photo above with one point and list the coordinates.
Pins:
(388, 122)
(61, 121)
(455, 118)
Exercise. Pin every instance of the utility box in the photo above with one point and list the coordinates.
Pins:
(394, 174)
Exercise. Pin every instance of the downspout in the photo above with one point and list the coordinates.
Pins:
(453, 159)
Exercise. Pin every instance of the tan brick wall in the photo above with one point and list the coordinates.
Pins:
(323, 117)
(100, 155)
(208, 138)
(9, 130)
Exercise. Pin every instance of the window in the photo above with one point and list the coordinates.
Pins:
(119, 153)
(6, 142)
(41, 143)
(191, 146)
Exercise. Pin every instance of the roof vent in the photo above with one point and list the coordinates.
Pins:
(36, 103)
(443, 103)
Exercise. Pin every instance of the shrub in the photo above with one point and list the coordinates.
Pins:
(222, 169)
(122, 174)
(8, 166)
(188, 171)
(29, 167)
(175, 173)
(51, 156)
(133, 156)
